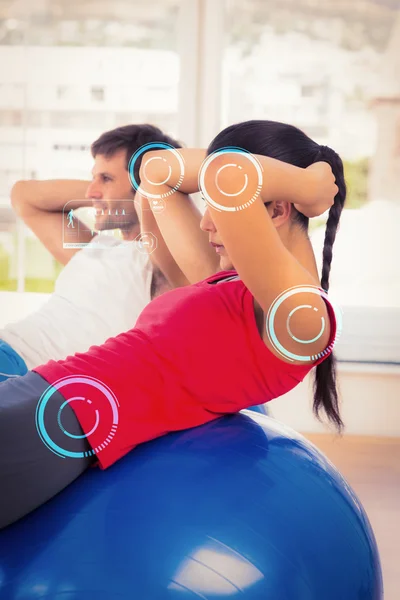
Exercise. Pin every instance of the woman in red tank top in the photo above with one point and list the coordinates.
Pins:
(225, 342)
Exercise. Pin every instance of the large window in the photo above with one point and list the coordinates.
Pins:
(331, 68)
(72, 69)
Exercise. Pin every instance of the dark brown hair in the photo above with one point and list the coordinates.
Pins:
(130, 138)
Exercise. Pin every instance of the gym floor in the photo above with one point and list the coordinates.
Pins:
(371, 465)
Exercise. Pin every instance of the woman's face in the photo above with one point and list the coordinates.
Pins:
(207, 224)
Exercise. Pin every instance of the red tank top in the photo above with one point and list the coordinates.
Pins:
(194, 355)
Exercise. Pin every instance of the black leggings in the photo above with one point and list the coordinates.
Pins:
(31, 473)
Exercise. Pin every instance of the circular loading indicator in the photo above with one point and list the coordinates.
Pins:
(270, 323)
(62, 384)
(202, 175)
(147, 148)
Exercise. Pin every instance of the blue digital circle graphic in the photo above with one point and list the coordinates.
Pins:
(57, 386)
(270, 323)
(202, 174)
(146, 148)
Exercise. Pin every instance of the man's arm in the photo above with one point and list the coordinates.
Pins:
(40, 205)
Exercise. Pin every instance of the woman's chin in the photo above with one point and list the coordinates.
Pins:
(225, 264)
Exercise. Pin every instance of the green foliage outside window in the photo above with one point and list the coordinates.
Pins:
(356, 175)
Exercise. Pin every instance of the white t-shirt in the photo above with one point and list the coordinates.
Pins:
(100, 293)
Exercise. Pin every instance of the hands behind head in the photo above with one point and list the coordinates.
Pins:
(323, 190)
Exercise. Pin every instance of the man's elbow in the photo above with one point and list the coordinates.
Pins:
(20, 196)
(17, 193)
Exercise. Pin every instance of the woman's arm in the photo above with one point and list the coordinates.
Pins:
(311, 187)
(316, 189)
(179, 219)
(161, 257)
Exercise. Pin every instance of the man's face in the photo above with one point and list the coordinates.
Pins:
(112, 194)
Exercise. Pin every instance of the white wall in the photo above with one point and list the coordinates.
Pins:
(370, 397)
(368, 377)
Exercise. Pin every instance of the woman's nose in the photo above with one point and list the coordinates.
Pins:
(206, 223)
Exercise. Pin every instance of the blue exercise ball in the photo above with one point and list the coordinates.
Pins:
(260, 408)
(241, 507)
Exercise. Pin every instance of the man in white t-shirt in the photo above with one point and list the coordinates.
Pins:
(106, 281)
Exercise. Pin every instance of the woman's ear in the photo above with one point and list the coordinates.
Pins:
(279, 211)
